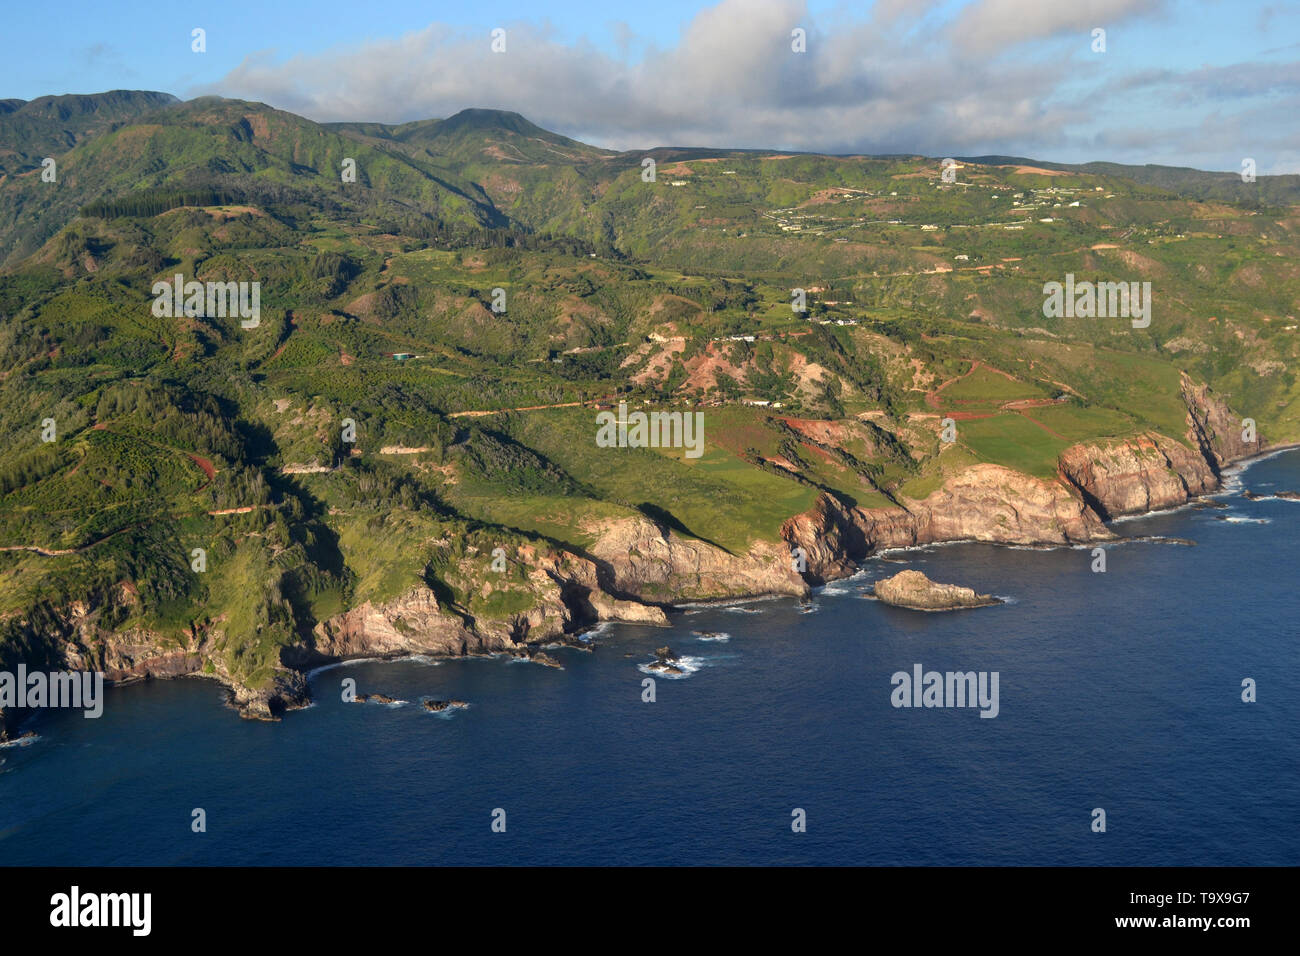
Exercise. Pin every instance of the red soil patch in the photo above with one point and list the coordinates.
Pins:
(206, 465)
(1031, 403)
(1035, 170)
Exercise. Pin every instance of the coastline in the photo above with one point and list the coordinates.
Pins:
(846, 538)
(843, 573)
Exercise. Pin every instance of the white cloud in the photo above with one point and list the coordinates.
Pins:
(989, 26)
(895, 79)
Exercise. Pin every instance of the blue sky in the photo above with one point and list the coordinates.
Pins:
(1188, 82)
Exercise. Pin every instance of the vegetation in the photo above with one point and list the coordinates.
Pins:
(436, 338)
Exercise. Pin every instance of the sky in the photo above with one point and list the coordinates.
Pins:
(1204, 83)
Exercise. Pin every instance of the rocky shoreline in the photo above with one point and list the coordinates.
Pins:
(639, 569)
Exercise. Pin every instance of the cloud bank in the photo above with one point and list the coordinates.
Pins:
(1016, 77)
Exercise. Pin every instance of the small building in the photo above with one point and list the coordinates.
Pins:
(401, 356)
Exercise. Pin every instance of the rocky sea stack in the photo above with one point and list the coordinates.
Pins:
(666, 661)
(438, 706)
(377, 698)
(914, 590)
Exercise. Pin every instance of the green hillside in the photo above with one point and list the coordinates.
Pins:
(51, 125)
(485, 287)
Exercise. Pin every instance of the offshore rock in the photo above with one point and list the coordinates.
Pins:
(912, 589)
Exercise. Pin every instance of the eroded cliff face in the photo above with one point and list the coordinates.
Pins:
(563, 594)
(82, 637)
(1152, 471)
(1134, 475)
(1096, 481)
(832, 539)
(1214, 428)
(657, 565)
(993, 503)
(980, 503)
(413, 623)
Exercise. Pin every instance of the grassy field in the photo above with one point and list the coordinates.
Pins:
(1014, 441)
(986, 386)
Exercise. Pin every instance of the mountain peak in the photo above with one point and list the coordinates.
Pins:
(481, 118)
(505, 135)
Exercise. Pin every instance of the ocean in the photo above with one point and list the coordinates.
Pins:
(1119, 690)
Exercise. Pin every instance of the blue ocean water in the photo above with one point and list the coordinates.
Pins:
(1119, 690)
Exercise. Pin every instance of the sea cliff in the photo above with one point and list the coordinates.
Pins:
(638, 568)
